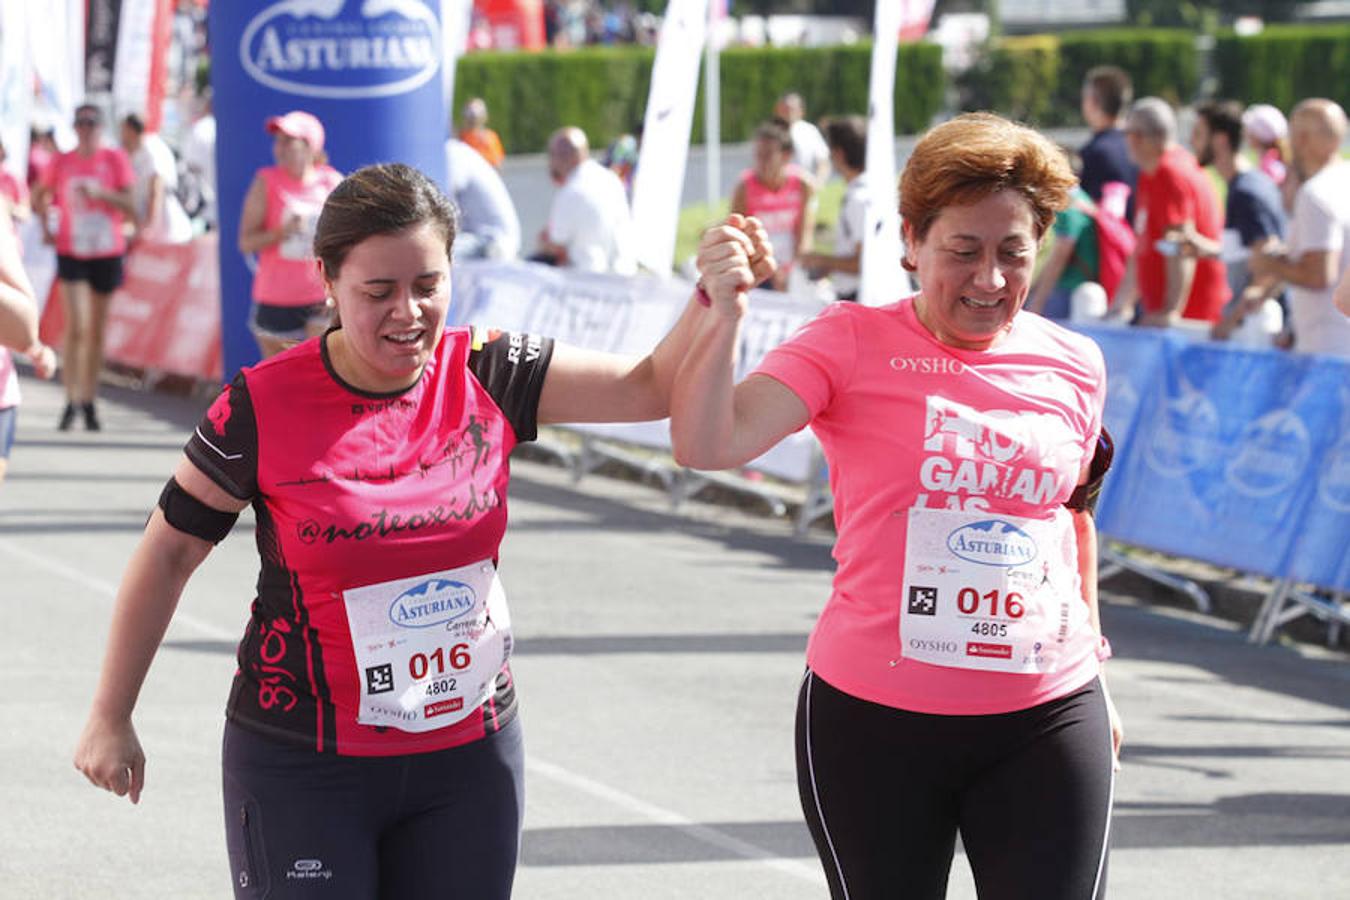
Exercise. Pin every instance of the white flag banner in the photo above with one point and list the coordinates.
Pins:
(134, 58)
(456, 18)
(56, 42)
(659, 179)
(883, 280)
(16, 85)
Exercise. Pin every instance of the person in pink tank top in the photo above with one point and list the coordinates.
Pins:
(954, 679)
(90, 190)
(780, 195)
(280, 212)
(18, 332)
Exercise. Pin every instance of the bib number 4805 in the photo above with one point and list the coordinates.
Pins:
(969, 600)
(421, 664)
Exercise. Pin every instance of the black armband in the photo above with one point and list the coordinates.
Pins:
(1084, 497)
(191, 516)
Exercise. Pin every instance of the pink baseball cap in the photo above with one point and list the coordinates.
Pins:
(298, 124)
(1265, 123)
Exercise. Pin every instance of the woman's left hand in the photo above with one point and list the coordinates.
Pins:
(1117, 728)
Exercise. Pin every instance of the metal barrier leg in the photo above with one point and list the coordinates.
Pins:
(1184, 585)
(1269, 611)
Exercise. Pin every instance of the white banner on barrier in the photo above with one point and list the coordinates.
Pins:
(659, 178)
(618, 314)
(883, 280)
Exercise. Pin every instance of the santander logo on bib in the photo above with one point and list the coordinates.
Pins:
(342, 49)
(433, 602)
(992, 542)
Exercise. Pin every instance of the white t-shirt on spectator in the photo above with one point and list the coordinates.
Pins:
(1321, 221)
(590, 217)
(848, 232)
(809, 149)
(487, 217)
(199, 155)
(155, 158)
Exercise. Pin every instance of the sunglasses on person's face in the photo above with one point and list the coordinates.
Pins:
(86, 123)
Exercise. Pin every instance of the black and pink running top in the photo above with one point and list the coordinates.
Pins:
(351, 488)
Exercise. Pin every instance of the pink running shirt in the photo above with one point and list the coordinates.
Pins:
(286, 273)
(89, 229)
(907, 421)
(780, 210)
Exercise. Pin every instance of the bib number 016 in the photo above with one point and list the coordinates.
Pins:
(457, 658)
(1009, 605)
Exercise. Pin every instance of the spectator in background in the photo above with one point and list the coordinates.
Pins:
(91, 187)
(13, 191)
(488, 225)
(809, 150)
(199, 163)
(1319, 232)
(474, 132)
(1106, 95)
(1268, 133)
(778, 193)
(621, 158)
(846, 137)
(42, 151)
(280, 213)
(589, 225)
(1173, 193)
(159, 216)
(1074, 258)
(1254, 218)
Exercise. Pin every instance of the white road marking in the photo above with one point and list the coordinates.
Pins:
(661, 816)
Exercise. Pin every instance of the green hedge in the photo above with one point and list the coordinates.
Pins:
(604, 90)
(1285, 64)
(1037, 78)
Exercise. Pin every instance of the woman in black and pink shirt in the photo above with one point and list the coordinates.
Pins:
(373, 710)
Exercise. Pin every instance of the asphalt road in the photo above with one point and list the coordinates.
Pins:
(658, 661)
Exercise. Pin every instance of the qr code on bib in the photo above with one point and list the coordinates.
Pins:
(379, 679)
(922, 601)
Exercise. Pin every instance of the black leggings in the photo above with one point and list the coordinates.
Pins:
(430, 826)
(885, 792)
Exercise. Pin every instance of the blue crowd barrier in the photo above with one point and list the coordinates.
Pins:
(1233, 456)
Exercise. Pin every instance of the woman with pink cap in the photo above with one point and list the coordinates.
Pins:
(280, 210)
(1268, 133)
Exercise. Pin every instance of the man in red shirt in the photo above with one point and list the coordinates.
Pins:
(1173, 192)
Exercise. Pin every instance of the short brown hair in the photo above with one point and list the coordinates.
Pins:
(975, 155)
(1111, 88)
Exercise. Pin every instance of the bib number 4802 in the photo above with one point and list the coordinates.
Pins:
(458, 659)
(969, 601)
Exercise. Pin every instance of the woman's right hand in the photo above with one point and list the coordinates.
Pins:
(732, 258)
(110, 756)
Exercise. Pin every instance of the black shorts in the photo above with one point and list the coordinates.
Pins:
(104, 274)
(287, 323)
(886, 791)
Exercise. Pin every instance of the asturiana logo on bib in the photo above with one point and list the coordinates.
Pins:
(992, 542)
(433, 602)
(342, 49)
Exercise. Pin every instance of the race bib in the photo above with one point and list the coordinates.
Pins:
(91, 230)
(428, 648)
(300, 244)
(991, 592)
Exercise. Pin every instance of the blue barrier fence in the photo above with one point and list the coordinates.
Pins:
(1237, 457)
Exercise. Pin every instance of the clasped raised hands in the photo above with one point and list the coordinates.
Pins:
(732, 258)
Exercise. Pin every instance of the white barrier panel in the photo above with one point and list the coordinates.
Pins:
(620, 314)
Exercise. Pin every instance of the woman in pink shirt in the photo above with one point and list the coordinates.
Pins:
(954, 678)
(780, 195)
(280, 212)
(91, 188)
(18, 332)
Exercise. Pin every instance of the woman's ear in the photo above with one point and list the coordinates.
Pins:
(907, 261)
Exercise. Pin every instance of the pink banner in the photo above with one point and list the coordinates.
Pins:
(166, 315)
